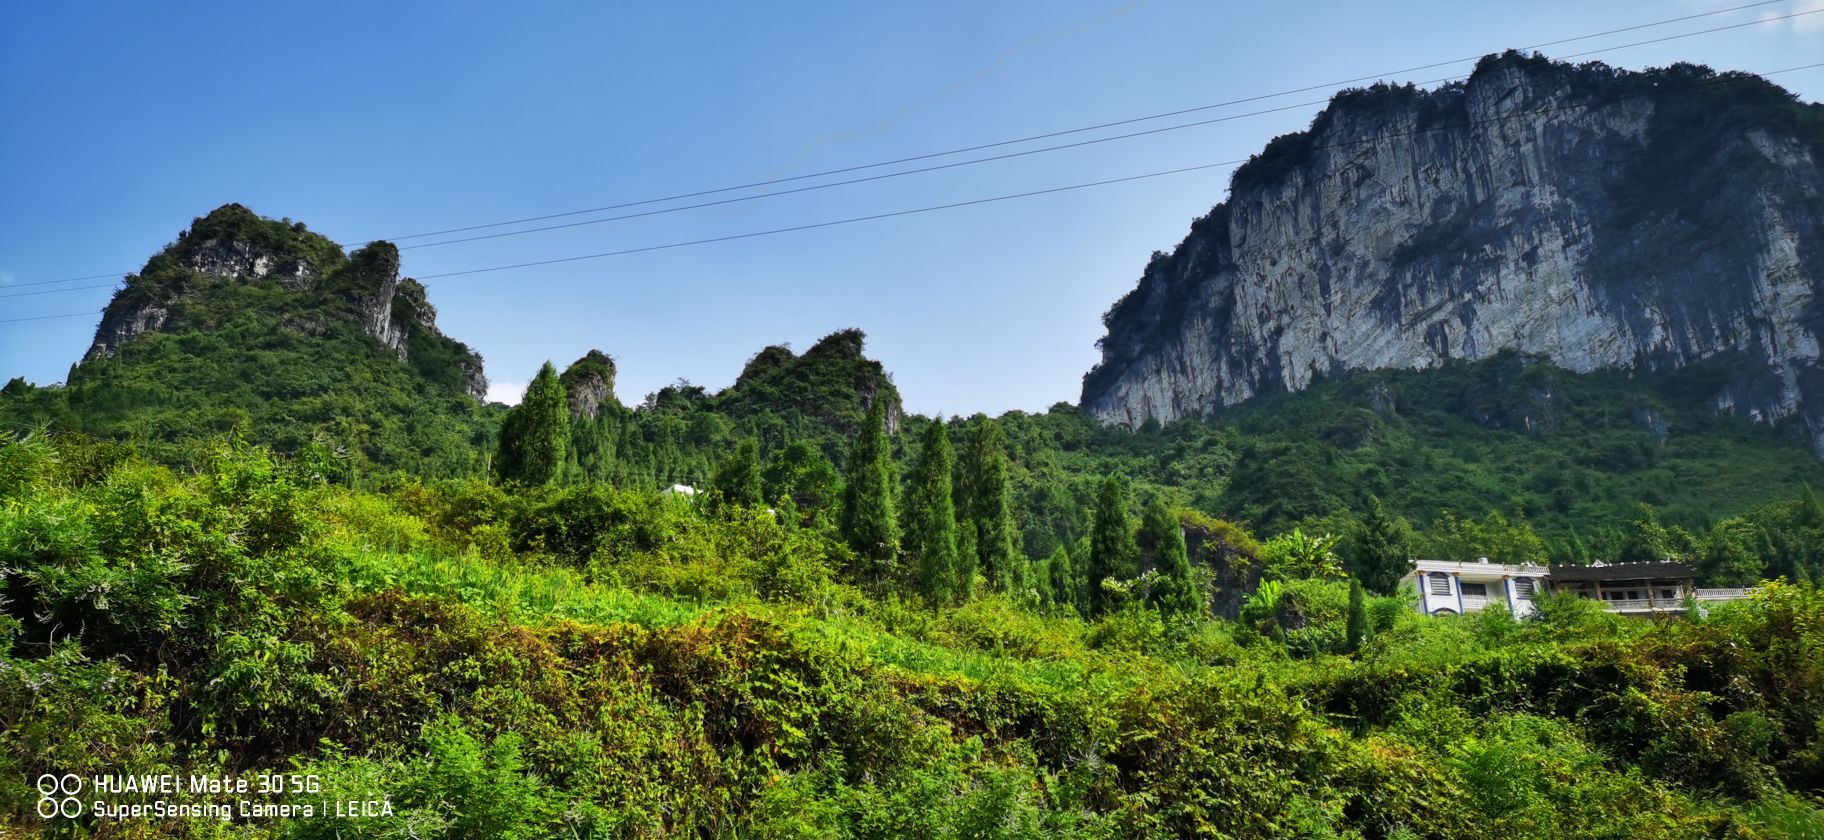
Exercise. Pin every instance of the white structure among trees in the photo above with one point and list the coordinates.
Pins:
(1447, 586)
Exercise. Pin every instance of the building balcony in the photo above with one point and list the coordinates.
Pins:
(1641, 605)
(1669, 605)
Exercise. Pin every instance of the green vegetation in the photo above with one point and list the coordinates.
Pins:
(869, 522)
(931, 520)
(584, 661)
(283, 360)
(987, 508)
(535, 436)
(1112, 552)
(259, 539)
(1509, 458)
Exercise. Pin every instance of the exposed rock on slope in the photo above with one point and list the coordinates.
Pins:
(589, 382)
(185, 286)
(1601, 218)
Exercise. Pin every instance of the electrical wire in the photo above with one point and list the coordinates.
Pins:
(1048, 135)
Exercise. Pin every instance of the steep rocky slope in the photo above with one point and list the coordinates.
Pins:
(232, 246)
(1601, 218)
(266, 330)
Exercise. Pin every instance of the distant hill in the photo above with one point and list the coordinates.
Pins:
(678, 433)
(266, 329)
(1604, 219)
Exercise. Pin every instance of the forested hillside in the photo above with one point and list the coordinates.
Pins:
(585, 661)
(265, 329)
(268, 526)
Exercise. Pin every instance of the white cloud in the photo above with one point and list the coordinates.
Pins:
(506, 392)
(1808, 24)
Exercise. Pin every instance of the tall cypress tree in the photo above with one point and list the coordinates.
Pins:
(1356, 630)
(1063, 578)
(968, 560)
(1112, 551)
(1384, 553)
(1161, 542)
(737, 479)
(535, 437)
(997, 537)
(931, 519)
(868, 522)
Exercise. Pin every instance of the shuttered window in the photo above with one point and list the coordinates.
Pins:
(1523, 587)
(1440, 583)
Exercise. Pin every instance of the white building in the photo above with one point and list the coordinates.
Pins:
(1447, 586)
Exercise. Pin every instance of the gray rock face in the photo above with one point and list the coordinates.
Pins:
(474, 379)
(589, 384)
(367, 285)
(1600, 218)
(119, 327)
(237, 260)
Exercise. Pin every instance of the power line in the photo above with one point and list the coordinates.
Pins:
(45, 317)
(1117, 123)
(1073, 187)
(1029, 194)
(869, 178)
(1029, 138)
(58, 291)
(833, 223)
(1025, 153)
(73, 279)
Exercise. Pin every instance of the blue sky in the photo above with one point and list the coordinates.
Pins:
(122, 121)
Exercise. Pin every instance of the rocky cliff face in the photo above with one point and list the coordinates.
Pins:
(1603, 219)
(189, 284)
(589, 384)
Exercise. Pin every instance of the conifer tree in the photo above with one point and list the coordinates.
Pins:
(868, 522)
(991, 509)
(1112, 551)
(1811, 511)
(535, 437)
(968, 560)
(737, 479)
(1356, 630)
(1384, 553)
(1161, 542)
(931, 518)
(1063, 578)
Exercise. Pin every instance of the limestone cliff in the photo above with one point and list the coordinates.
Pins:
(589, 384)
(216, 269)
(1601, 218)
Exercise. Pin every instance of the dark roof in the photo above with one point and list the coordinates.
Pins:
(1623, 571)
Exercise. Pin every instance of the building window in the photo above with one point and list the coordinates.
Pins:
(1668, 595)
(1440, 583)
(1523, 587)
(1475, 590)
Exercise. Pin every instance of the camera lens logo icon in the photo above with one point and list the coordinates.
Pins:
(57, 796)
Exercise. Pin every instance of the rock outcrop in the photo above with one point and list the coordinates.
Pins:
(182, 288)
(589, 384)
(1600, 218)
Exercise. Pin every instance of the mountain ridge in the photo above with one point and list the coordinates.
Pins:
(1506, 218)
